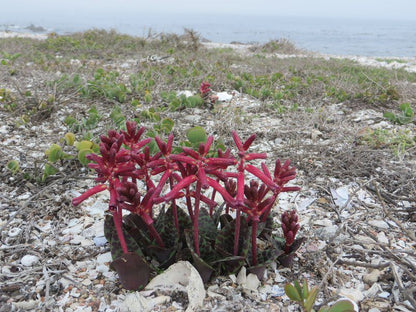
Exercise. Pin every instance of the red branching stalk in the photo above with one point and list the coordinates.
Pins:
(125, 159)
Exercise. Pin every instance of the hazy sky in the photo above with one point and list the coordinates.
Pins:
(397, 9)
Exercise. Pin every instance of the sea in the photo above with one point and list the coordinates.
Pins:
(336, 36)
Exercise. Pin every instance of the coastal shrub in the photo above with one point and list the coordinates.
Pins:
(173, 199)
(405, 116)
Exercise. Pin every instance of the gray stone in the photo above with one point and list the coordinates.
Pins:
(372, 277)
(29, 260)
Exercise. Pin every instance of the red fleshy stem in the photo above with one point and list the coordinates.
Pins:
(196, 215)
(254, 242)
(94, 190)
(237, 231)
(118, 224)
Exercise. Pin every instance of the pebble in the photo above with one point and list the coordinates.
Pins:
(75, 293)
(252, 282)
(382, 238)
(384, 294)
(104, 258)
(187, 93)
(224, 97)
(26, 305)
(100, 241)
(102, 268)
(241, 276)
(373, 290)
(383, 225)
(323, 222)
(372, 277)
(13, 232)
(233, 278)
(29, 260)
(327, 233)
(353, 294)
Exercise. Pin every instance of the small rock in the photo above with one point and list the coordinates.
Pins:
(373, 290)
(224, 97)
(242, 276)
(340, 196)
(104, 258)
(279, 278)
(323, 222)
(13, 232)
(315, 134)
(187, 93)
(75, 293)
(26, 305)
(100, 241)
(277, 291)
(102, 268)
(383, 225)
(353, 294)
(326, 233)
(252, 282)
(76, 240)
(135, 302)
(29, 260)
(233, 278)
(372, 277)
(382, 238)
(374, 310)
(384, 294)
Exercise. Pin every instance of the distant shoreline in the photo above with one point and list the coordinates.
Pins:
(393, 62)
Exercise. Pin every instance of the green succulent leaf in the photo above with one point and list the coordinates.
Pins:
(342, 306)
(292, 293)
(298, 288)
(13, 166)
(69, 138)
(48, 171)
(84, 145)
(305, 289)
(310, 300)
(54, 153)
(82, 156)
(166, 125)
(196, 135)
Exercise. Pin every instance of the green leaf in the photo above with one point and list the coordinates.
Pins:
(305, 289)
(82, 156)
(310, 300)
(342, 306)
(69, 138)
(390, 116)
(83, 145)
(13, 166)
(54, 153)
(48, 171)
(292, 293)
(166, 125)
(298, 288)
(196, 135)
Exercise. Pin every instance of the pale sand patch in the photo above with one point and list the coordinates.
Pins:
(11, 34)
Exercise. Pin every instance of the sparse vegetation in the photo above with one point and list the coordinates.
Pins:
(58, 95)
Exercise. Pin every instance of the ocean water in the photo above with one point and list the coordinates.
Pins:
(341, 36)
